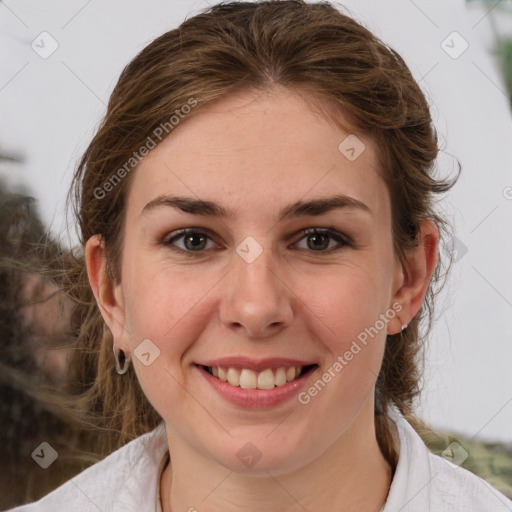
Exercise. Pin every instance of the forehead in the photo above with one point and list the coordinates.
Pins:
(258, 151)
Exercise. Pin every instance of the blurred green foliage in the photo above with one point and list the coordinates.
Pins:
(491, 461)
(499, 12)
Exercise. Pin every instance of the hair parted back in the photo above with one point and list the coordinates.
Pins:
(313, 49)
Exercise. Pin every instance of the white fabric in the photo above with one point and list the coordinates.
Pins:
(163, 464)
(425, 482)
(128, 480)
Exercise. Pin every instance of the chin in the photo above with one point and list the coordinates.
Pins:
(261, 457)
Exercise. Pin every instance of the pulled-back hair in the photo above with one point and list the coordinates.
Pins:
(312, 49)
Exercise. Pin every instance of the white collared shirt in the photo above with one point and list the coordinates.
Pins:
(128, 480)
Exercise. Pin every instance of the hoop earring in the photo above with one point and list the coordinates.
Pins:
(403, 326)
(125, 361)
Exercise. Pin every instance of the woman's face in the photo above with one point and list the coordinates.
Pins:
(247, 291)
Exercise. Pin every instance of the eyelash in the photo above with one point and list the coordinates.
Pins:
(344, 240)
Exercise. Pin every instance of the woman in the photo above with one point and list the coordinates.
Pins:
(256, 212)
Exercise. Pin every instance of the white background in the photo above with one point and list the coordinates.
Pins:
(50, 108)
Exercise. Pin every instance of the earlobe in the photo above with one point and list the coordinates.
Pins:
(106, 292)
(416, 272)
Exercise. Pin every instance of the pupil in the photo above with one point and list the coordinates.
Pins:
(190, 238)
(316, 237)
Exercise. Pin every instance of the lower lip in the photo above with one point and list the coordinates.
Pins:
(256, 398)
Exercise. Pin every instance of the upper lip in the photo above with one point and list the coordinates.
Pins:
(254, 364)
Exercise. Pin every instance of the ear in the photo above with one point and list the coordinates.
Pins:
(413, 277)
(109, 296)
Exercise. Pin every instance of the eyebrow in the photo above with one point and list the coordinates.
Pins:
(313, 207)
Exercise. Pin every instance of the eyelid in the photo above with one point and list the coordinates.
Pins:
(342, 239)
(185, 231)
(168, 239)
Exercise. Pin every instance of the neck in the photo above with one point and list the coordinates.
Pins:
(351, 475)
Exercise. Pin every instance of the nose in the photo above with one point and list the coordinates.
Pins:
(257, 299)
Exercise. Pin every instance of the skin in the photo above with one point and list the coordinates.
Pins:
(255, 154)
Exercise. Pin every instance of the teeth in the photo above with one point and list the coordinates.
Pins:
(280, 376)
(233, 377)
(249, 379)
(290, 374)
(266, 379)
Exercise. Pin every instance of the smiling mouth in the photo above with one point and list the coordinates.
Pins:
(249, 379)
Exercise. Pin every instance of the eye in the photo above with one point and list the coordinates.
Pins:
(193, 240)
(318, 240)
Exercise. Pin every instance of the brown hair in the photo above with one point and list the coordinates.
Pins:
(313, 49)
(34, 336)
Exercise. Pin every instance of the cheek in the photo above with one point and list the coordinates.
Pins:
(351, 301)
(169, 309)
(348, 317)
(161, 298)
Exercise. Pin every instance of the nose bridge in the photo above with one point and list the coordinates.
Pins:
(258, 275)
(256, 298)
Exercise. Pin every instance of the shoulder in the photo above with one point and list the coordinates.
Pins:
(424, 481)
(459, 489)
(125, 480)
